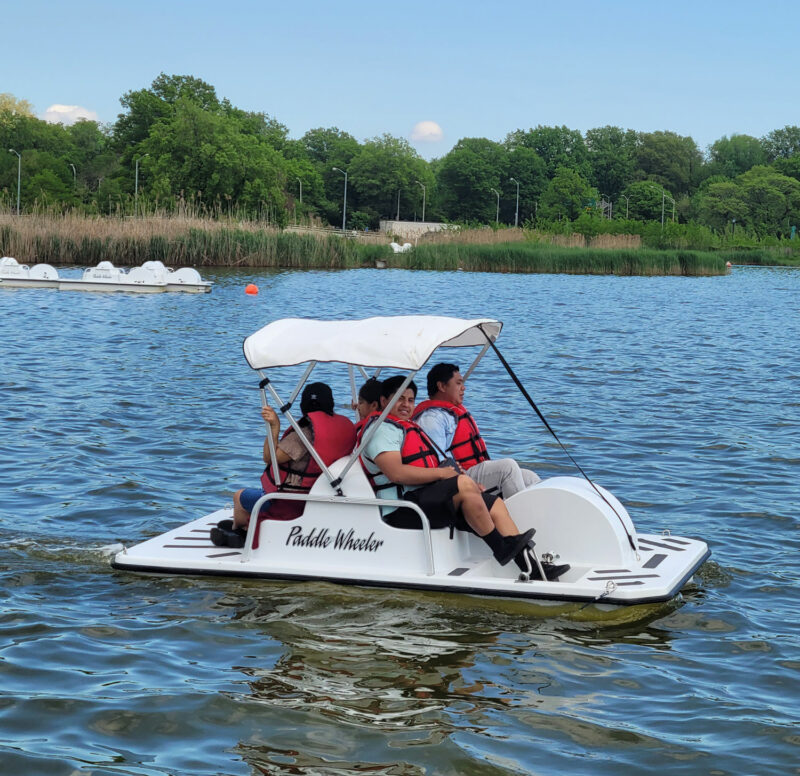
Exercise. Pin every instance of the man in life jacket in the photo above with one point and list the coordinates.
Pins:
(446, 420)
(402, 463)
(332, 436)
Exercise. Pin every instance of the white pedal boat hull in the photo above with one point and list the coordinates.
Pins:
(344, 541)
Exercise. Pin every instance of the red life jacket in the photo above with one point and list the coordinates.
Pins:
(334, 437)
(415, 450)
(467, 447)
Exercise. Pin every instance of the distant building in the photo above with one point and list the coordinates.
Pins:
(411, 230)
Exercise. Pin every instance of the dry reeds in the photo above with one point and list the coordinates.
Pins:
(487, 236)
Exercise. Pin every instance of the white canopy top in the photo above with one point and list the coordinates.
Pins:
(400, 342)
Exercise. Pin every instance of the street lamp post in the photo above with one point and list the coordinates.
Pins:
(497, 212)
(136, 187)
(516, 211)
(626, 205)
(397, 217)
(299, 180)
(608, 202)
(423, 200)
(74, 175)
(344, 205)
(19, 173)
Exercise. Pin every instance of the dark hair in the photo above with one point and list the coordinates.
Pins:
(317, 397)
(440, 373)
(390, 385)
(370, 391)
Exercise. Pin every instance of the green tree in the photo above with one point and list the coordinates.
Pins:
(384, 169)
(612, 156)
(645, 200)
(734, 155)
(773, 200)
(466, 176)
(525, 166)
(556, 147)
(15, 106)
(567, 196)
(669, 159)
(719, 203)
(782, 143)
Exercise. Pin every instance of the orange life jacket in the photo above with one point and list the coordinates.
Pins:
(467, 447)
(334, 437)
(415, 450)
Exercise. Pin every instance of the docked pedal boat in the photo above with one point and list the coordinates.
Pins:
(341, 538)
(152, 277)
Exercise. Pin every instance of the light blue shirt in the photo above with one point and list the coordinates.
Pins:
(387, 439)
(439, 425)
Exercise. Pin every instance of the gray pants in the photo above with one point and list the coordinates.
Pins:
(503, 476)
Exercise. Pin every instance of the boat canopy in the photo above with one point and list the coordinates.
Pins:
(399, 342)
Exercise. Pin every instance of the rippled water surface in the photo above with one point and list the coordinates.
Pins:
(123, 415)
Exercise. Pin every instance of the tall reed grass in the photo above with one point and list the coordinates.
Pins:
(533, 257)
(177, 242)
(206, 243)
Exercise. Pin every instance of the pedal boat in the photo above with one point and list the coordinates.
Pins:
(340, 537)
(152, 277)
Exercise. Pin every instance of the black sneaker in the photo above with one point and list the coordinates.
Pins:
(225, 535)
(512, 545)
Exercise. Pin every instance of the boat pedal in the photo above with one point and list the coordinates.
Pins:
(458, 571)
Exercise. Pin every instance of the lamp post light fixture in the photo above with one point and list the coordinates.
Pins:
(626, 205)
(497, 212)
(423, 200)
(344, 205)
(136, 186)
(74, 175)
(516, 211)
(19, 173)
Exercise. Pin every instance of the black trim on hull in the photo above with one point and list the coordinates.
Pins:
(412, 586)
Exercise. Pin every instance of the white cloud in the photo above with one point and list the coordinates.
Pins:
(67, 114)
(426, 132)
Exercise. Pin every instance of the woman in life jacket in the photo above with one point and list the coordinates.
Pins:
(402, 462)
(369, 401)
(331, 435)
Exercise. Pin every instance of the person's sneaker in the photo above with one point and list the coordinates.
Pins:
(526, 561)
(223, 534)
(512, 545)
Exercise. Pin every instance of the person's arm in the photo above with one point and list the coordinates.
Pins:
(439, 425)
(391, 464)
(274, 428)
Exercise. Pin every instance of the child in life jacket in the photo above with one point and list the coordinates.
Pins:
(331, 435)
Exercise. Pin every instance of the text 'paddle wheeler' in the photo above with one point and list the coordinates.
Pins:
(341, 537)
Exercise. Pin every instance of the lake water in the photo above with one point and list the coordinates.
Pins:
(123, 415)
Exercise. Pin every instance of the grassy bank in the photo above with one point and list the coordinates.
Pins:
(538, 257)
(208, 243)
(177, 242)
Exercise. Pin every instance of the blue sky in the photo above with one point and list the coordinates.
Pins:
(702, 68)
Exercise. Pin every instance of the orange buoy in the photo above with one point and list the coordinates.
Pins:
(251, 288)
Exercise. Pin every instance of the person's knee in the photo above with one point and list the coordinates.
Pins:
(466, 485)
(237, 497)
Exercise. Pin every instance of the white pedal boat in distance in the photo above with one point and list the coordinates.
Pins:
(341, 538)
(151, 278)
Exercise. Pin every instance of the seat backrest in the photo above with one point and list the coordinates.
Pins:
(355, 484)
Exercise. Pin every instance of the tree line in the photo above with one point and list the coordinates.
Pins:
(176, 146)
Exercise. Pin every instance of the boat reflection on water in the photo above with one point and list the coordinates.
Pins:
(406, 675)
